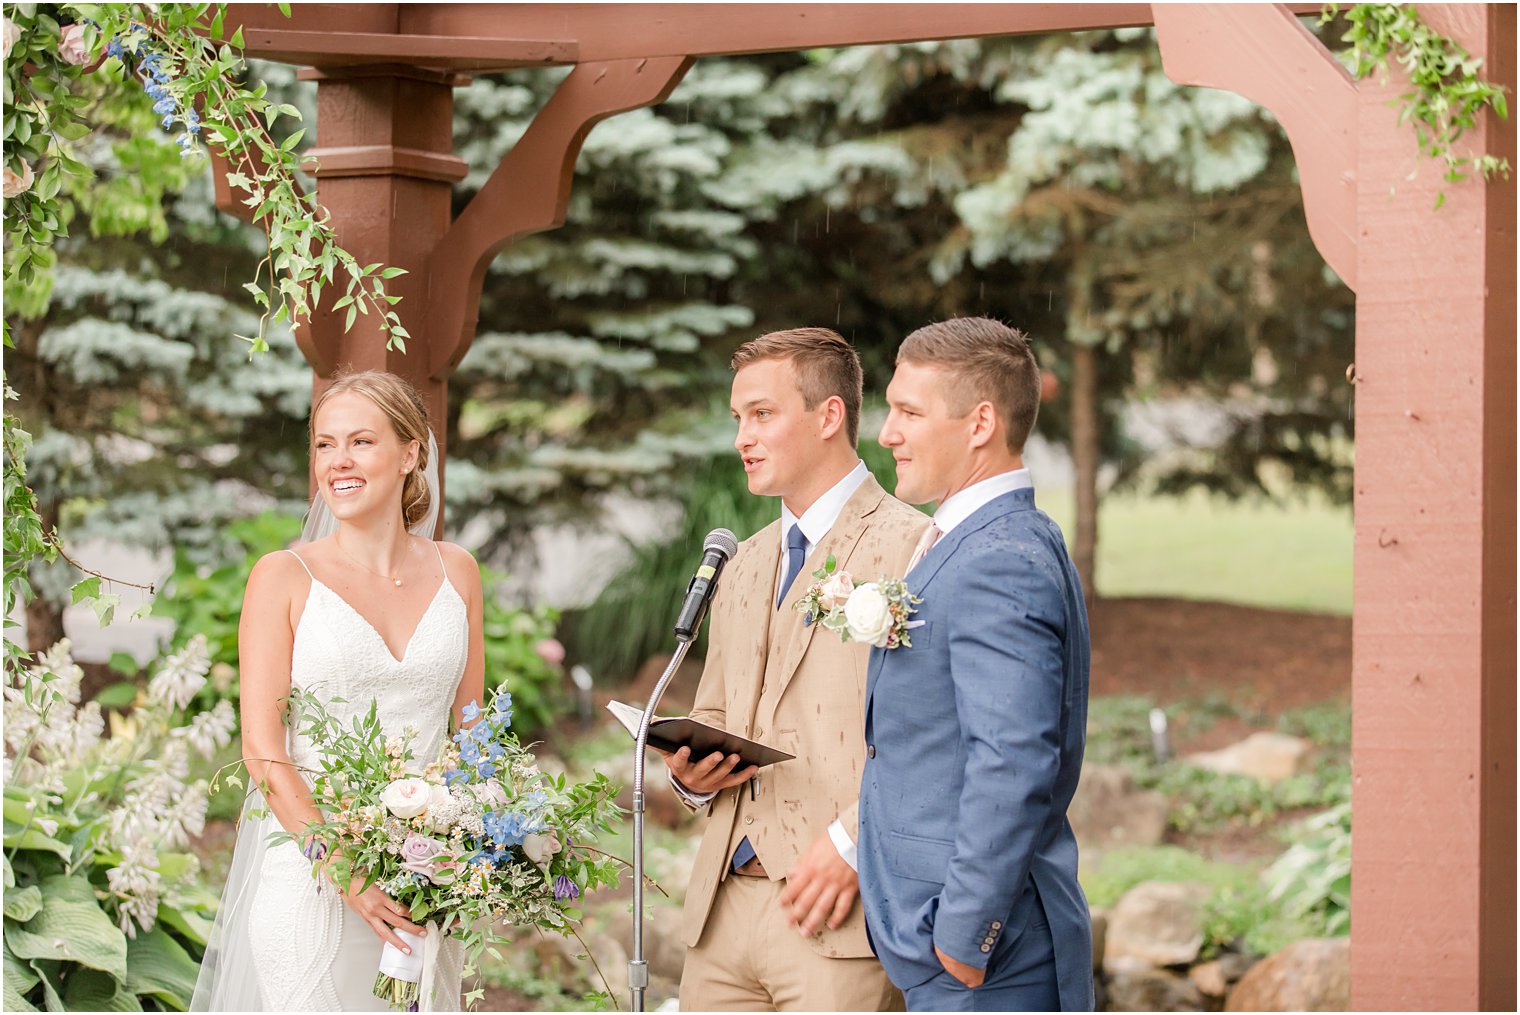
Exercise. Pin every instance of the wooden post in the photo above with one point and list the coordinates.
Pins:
(1433, 643)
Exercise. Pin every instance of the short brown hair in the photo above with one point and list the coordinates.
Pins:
(988, 362)
(826, 365)
(406, 410)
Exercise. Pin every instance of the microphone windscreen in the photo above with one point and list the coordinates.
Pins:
(722, 540)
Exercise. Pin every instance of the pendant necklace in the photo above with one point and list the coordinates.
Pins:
(390, 578)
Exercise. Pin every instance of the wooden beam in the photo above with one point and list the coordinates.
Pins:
(1288, 71)
(476, 53)
(530, 190)
(609, 32)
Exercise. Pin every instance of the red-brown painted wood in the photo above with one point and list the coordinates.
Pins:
(1433, 686)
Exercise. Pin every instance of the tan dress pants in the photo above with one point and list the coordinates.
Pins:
(750, 960)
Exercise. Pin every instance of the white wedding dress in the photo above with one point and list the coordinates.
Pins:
(309, 951)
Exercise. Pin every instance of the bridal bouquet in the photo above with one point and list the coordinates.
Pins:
(876, 613)
(477, 837)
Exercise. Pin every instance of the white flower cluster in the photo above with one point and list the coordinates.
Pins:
(210, 731)
(181, 675)
(45, 729)
(49, 735)
(135, 883)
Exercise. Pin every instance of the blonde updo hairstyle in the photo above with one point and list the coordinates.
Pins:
(408, 415)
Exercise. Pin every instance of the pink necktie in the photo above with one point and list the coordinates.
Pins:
(925, 542)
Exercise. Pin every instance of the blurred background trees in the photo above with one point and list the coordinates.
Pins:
(1149, 238)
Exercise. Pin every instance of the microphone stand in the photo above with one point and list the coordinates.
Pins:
(638, 968)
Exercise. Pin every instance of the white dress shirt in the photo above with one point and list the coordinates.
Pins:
(815, 522)
(962, 504)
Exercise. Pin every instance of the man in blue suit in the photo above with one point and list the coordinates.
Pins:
(974, 733)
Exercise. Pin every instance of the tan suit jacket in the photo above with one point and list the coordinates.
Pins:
(797, 688)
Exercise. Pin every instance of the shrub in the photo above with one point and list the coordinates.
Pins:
(103, 909)
(1312, 880)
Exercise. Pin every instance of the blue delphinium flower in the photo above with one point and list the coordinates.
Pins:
(469, 753)
(485, 769)
(471, 711)
(455, 775)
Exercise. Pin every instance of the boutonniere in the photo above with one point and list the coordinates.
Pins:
(876, 613)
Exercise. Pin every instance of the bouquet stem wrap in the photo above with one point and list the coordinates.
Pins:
(400, 978)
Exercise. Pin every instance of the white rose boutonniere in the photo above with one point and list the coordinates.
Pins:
(876, 613)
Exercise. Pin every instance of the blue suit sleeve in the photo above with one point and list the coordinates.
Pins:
(1007, 667)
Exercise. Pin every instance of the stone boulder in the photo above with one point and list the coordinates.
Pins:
(1155, 923)
(1215, 978)
(1270, 757)
(1312, 975)
(1108, 810)
(1144, 989)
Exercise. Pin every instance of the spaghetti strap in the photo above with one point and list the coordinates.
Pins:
(297, 556)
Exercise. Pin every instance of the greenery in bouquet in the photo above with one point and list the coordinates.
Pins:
(471, 839)
(104, 906)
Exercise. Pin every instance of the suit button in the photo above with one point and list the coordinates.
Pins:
(759, 732)
(986, 948)
(870, 750)
(749, 821)
(997, 924)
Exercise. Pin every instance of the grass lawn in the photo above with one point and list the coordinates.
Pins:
(1292, 557)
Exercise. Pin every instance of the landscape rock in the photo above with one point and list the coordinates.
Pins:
(1270, 757)
(1153, 990)
(1209, 978)
(1311, 975)
(1155, 923)
(1099, 919)
(1108, 810)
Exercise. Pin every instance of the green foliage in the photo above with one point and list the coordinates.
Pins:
(1240, 912)
(1312, 880)
(512, 637)
(25, 540)
(185, 61)
(1118, 733)
(103, 908)
(631, 619)
(1445, 96)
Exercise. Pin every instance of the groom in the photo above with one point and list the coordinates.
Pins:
(974, 733)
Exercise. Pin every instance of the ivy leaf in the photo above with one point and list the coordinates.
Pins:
(89, 588)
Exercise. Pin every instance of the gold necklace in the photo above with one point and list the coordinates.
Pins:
(390, 578)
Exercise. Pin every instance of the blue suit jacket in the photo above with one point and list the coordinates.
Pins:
(975, 736)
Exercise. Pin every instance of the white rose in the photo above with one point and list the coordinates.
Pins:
(9, 33)
(406, 798)
(71, 45)
(835, 591)
(490, 793)
(540, 848)
(867, 615)
(17, 184)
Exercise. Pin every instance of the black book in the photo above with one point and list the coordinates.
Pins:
(672, 734)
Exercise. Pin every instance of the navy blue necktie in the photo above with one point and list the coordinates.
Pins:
(796, 552)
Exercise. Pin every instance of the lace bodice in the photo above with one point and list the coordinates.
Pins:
(342, 660)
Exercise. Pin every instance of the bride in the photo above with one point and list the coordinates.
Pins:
(367, 609)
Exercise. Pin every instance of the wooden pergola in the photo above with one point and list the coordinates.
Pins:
(1434, 627)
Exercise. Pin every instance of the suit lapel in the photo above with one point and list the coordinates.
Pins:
(923, 573)
(839, 543)
(758, 578)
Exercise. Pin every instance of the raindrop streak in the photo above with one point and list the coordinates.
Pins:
(826, 210)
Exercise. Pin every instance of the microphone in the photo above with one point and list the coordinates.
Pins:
(717, 548)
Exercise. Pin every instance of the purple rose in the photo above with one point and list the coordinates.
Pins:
(564, 888)
(428, 857)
